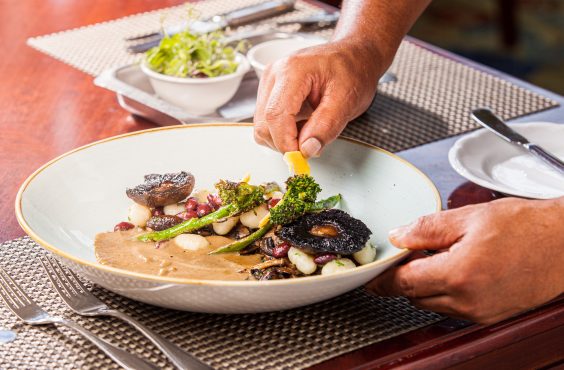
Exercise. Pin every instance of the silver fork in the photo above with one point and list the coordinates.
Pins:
(81, 301)
(30, 313)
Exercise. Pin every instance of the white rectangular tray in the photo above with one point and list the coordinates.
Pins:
(135, 94)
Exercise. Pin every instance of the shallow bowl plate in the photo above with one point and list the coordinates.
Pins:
(65, 203)
(487, 160)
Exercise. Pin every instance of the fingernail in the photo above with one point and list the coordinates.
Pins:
(311, 147)
(396, 235)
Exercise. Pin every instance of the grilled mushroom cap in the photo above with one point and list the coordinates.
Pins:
(162, 190)
(331, 231)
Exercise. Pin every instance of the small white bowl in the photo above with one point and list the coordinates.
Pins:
(268, 52)
(198, 96)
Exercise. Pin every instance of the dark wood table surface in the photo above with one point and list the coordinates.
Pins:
(48, 108)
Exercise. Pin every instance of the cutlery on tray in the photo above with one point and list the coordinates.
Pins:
(489, 120)
(236, 18)
(314, 22)
(29, 312)
(81, 301)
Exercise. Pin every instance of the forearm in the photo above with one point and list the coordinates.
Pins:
(379, 25)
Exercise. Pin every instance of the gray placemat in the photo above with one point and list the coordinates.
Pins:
(431, 100)
(97, 47)
(292, 339)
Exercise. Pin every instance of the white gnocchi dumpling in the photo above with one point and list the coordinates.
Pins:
(366, 254)
(174, 209)
(224, 227)
(138, 214)
(252, 218)
(191, 242)
(336, 266)
(201, 195)
(276, 195)
(303, 261)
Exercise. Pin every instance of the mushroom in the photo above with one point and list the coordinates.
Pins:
(162, 190)
(163, 222)
(330, 231)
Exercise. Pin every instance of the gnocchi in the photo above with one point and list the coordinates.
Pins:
(174, 209)
(138, 214)
(304, 262)
(252, 218)
(191, 242)
(366, 254)
(224, 227)
(336, 266)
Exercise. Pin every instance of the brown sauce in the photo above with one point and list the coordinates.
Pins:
(119, 249)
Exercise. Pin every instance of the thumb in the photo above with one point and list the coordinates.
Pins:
(436, 231)
(325, 124)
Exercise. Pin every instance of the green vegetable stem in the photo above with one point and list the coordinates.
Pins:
(188, 226)
(244, 242)
(328, 203)
(237, 197)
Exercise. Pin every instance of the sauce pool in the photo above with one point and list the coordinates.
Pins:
(120, 249)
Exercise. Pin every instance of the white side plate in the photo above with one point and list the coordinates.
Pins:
(487, 160)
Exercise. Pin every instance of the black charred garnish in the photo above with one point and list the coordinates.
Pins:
(163, 222)
(267, 246)
(331, 231)
(162, 190)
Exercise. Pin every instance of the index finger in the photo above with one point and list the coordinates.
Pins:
(423, 277)
(285, 102)
(261, 131)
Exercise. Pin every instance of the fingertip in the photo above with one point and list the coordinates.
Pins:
(397, 235)
(311, 147)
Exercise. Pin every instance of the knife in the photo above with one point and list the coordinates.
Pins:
(489, 120)
(236, 18)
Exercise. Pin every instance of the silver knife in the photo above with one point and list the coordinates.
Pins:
(489, 120)
(235, 18)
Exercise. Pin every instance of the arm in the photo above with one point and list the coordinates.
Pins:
(379, 25)
(338, 79)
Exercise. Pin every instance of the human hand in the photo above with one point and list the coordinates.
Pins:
(337, 79)
(502, 258)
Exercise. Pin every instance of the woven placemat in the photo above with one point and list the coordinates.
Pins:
(292, 339)
(97, 47)
(431, 100)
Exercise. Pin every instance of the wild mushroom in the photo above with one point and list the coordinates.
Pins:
(161, 190)
(331, 231)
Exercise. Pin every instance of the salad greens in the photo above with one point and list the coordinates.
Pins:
(187, 54)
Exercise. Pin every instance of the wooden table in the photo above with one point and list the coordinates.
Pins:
(48, 108)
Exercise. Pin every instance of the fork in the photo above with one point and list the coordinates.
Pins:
(83, 302)
(29, 312)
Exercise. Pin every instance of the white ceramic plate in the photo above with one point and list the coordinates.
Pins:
(270, 51)
(486, 160)
(70, 199)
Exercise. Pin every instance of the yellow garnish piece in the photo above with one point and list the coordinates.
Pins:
(264, 221)
(296, 162)
(246, 178)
